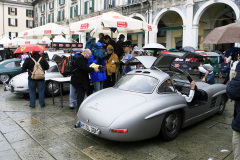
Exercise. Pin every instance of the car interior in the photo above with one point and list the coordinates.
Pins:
(182, 84)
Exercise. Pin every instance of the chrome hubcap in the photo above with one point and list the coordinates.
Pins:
(4, 78)
(171, 122)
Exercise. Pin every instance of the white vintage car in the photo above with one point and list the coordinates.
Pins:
(19, 83)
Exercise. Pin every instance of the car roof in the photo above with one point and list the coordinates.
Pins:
(160, 75)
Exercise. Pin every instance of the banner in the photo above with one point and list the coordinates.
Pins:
(63, 45)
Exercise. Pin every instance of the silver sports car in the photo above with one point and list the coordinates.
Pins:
(145, 102)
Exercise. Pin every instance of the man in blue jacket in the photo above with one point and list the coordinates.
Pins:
(97, 77)
(233, 92)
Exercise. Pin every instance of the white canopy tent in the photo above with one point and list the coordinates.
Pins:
(50, 29)
(61, 39)
(111, 23)
(16, 42)
(4, 39)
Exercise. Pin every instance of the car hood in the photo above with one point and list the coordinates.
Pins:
(103, 107)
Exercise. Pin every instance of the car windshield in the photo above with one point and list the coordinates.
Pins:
(137, 83)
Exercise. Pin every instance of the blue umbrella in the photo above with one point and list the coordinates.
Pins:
(229, 51)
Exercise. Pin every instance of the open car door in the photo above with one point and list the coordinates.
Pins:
(147, 61)
(164, 61)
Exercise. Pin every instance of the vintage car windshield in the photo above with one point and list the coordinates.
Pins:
(137, 83)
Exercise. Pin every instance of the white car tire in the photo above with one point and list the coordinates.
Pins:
(4, 78)
(49, 89)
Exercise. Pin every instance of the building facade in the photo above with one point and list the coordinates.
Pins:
(16, 16)
(180, 22)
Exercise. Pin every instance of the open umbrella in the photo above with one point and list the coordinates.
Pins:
(30, 48)
(153, 46)
(187, 49)
(225, 34)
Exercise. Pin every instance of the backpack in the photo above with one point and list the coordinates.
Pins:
(99, 53)
(67, 66)
(37, 72)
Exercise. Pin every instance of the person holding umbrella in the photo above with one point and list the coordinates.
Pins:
(34, 84)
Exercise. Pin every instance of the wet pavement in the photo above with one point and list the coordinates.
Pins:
(48, 133)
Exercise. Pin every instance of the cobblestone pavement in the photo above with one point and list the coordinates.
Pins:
(49, 133)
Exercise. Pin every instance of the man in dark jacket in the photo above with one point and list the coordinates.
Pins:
(119, 47)
(34, 84)
(108, 40)
(233, 92)
(80, 78)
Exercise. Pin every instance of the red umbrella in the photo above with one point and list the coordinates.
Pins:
(30, 48)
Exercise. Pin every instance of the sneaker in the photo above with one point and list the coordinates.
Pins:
(31, 106)
(71, 107)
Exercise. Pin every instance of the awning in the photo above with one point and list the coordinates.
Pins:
(170, 28)
(136, 33)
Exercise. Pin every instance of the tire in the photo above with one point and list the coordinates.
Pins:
(222, 104)
(48, 88)
(171, 125)
(5, 78)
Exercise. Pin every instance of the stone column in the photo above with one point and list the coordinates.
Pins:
(188, 30)
(82, 38)
(140, 40)
(169, 40)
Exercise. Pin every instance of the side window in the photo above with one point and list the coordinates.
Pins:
(17, 64)
(166, 87)
(10, 65)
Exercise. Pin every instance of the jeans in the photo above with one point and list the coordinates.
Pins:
(80, 96)
(236, 145)
(72, 96)
(98, 85)
(40, 86)
(111, 80)
(210, 79)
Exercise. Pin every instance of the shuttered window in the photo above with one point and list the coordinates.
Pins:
(63, 16)
(52, 17)
(92, 6)
(76, 11)
(49, 18)
(59, 14)
(71, 8)
(85, 7)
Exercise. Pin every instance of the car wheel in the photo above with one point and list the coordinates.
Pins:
(222, 104)
(171, 125)
(52, 87)
(4, 78)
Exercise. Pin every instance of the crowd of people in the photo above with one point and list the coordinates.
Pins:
(108, 70)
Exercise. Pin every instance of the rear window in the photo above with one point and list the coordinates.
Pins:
(137, 83)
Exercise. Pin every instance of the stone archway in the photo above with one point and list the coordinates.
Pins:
(207, 7)
(172, 33)
(207, 4)
(141, 38)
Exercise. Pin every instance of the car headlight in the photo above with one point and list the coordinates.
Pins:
(10, 82)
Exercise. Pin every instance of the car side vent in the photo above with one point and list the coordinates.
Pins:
(147, 72)
(138, 72)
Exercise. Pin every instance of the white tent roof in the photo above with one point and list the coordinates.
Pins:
(4, 39)
(60, 39)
